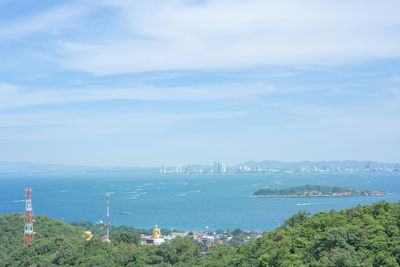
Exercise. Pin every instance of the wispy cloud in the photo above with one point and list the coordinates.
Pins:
(14, 96)
(285, 79)
(51, 21)
(181, 35)
(140, 36)
(67, 125)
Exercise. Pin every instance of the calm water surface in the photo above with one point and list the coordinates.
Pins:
(186, 202)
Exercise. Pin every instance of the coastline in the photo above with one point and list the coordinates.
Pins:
(305, 196)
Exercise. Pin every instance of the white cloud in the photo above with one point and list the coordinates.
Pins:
(50, 21)
(13, 96)
(174, 35)
(112, 37)
(60, 126)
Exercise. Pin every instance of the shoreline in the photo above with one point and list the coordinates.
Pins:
(305, 196)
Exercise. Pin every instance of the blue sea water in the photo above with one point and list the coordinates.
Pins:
(185, 202)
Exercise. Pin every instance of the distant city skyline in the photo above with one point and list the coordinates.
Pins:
(145, 83)
(218, 167)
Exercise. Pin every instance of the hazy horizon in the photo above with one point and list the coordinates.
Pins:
(209, 164)
(117, 83)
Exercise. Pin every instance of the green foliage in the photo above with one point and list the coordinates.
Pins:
(100, 229)
(361, 236)
(307, 189)
(236, 240)
(47, 229)
(220, 255)
(296, 219)
(127, 238)
(236, 232)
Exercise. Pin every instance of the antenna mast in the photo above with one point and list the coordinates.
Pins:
(28, 230)
(108, 217)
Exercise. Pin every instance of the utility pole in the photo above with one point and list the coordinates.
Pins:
(108, 217)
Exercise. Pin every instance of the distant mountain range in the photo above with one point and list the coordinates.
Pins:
(29, 167)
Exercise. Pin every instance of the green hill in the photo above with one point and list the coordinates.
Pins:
(361, 236)
(315, 191)
(48, 231)
(12, 229)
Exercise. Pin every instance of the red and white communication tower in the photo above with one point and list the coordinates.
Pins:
(28, 231)
(108, 217)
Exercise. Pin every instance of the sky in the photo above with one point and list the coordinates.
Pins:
(145, 83)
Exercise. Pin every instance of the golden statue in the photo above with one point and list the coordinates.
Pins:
(87, 235)
(156, 233)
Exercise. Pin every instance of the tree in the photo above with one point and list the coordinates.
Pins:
(296, 219)
(127, 238)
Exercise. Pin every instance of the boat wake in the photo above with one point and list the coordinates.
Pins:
(126, 213)
(307, 204)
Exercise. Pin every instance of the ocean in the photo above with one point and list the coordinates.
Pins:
(184, 202)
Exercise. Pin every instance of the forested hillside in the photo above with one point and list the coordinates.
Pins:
(316, 190)
(360, 236)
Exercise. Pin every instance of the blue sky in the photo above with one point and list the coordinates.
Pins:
(144, 83)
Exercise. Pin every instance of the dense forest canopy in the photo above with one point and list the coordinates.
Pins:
(362, 236)
(313, 190)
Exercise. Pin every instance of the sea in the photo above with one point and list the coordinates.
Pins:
(184, 202)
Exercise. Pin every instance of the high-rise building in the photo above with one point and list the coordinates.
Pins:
(368, 166)
(316, 168)
(163, 169)
(397, 168)
(219, 167)
(223, 168)
(178, 170)
(216, 164)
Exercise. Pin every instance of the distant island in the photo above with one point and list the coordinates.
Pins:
(315, 191)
